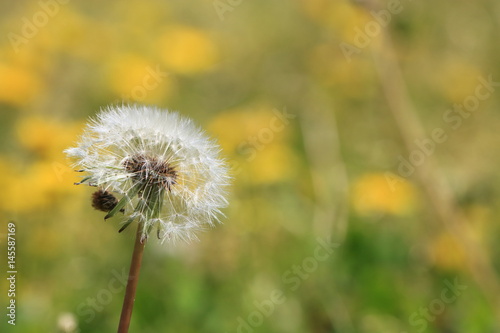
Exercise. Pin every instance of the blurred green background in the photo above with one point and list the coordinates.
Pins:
(317, 105)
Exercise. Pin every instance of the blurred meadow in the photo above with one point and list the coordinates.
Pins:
(362, 138)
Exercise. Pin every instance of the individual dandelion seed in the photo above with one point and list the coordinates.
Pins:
(163, 165)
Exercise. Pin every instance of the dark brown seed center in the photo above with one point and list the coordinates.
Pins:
(151, 170)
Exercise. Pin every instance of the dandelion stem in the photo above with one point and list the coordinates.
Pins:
(133, 278)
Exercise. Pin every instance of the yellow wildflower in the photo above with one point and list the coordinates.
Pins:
(187, 50)
(375, 193)
(17, 85)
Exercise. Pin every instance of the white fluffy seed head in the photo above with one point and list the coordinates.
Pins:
(181, 177)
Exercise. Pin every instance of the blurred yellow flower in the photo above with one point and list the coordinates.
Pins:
(273, 164)
(65, 30)
(45, 137)
(78, 35)
(382, 193)
(33, 186)
(10, 174)
(236, 126)
(136, 79)
(38, 183)
(68, 31)
(257, 140)
(447, 253)
(187, 50)
(340, 16)
(481, 218)
(328, 64)
(457, 79)
(17, 85)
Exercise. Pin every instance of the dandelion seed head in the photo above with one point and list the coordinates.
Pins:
(167, 166)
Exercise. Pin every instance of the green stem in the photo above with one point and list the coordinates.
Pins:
(133, 278)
